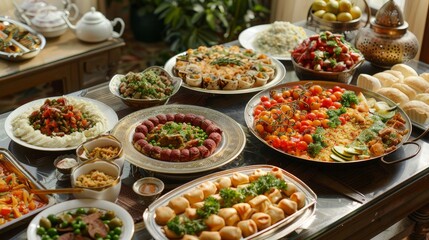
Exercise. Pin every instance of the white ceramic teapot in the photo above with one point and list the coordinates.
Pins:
(48, 21)
(95, 27)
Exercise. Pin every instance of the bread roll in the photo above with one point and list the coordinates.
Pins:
(418, 83)
(425, 76)
(418, 111)
(386, 79)
(409, 91)
(397, 74)
(424, 97)
(404, 69)
(368, 82)
(394, 94)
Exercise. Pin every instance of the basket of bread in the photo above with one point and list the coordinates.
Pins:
(403, 85)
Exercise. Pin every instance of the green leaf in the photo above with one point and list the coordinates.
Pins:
(211, 20)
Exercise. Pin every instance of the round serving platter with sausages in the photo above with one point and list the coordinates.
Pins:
(222, 139)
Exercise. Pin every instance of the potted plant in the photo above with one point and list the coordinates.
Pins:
(145, 23)
(192, 23)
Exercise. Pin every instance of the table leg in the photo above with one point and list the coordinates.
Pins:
(421, 228)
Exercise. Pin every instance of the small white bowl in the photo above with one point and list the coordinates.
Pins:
(110, 192)
(147, 197)
(85, 148)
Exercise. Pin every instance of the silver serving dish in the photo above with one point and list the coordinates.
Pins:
(25, 52)
(12, 164)
(276, 231)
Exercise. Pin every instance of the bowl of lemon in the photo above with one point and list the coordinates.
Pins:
(337, 16)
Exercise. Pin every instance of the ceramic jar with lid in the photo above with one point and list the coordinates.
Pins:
(387, 41)
(95, 27)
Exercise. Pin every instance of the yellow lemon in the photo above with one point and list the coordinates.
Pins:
(318, 5)
(344, 6)
(332, 7)
(329, 16)
(344, 17)
(356, 12)
(319, 13)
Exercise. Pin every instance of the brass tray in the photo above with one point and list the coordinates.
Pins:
(233, 140)
(276, 231)
(11, 163)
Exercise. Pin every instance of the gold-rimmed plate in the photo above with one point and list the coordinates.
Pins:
(232, 144)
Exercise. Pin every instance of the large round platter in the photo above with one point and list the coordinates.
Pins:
(108, 112)
(248, 113)
(248, 36)
(25, 55)
(280, 74)
(232, 144)
(128, 223)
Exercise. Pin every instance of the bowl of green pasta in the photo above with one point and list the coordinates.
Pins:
(151, 87)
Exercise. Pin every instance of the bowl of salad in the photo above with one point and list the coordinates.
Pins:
(151, 87)
(326, 56)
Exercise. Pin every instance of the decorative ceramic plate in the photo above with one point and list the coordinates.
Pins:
(249, 118)
(247, 38)
(108, 113)
(278, 77)
(127, 220)
(275, 231)
(232, 144)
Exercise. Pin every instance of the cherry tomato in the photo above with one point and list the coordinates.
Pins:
(265, 98)
(266, 104)
(342, 119)
(302, 145)
(325, 123)
(337, 89)
(311, 116)
(286, 93)
(316, 89)
(307, 138)
(338, 95)
(326, 102)
(337, 105)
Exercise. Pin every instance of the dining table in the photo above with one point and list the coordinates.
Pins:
(354, 200)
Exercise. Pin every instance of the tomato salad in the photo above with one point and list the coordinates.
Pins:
(313, 122)
(58, 118)
(326, 52)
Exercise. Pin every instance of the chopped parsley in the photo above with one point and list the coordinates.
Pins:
(333, 115)
(318, 144)
(349, 98)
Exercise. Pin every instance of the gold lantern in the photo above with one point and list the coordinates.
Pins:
(387, 41)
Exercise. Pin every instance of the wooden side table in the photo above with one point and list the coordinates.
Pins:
(66, 62)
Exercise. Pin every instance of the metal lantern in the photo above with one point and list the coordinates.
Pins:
(387, 41)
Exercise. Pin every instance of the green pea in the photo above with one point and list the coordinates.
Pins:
(46, 237)
(41, 231)
(115, 237)
(81, 211)
(54, 219)
(77, 231)
(52, 232)
(64, 224)
(117, 230)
